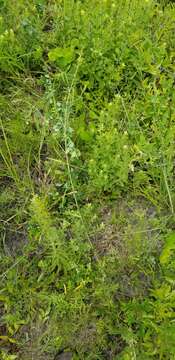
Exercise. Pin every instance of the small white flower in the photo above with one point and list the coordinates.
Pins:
(125, 147)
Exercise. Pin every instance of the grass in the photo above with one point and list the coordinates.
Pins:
(87, 131)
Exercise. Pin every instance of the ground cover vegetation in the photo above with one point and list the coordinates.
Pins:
(87, 159)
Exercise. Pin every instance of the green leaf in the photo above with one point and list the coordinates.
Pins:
(84, 135)
(61, 56)
(168, 249)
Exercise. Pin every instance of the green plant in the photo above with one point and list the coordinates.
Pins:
(87, 176)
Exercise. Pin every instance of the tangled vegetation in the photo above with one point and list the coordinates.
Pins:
(87, 176)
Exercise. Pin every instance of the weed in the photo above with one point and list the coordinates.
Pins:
(87, 133)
